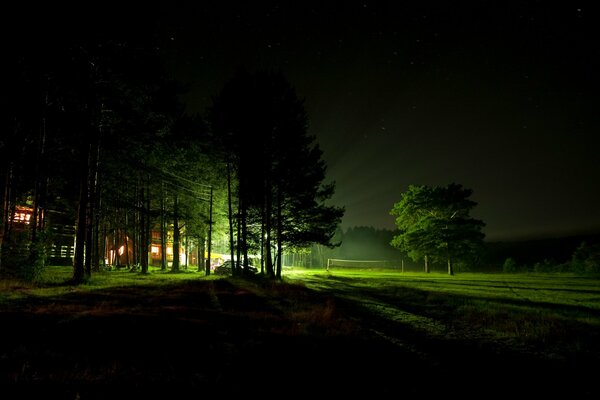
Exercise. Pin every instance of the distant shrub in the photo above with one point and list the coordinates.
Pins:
(564, 267)
(463, 267)
(586, 258)
(545, 266)
(24, 260)
(510, 266)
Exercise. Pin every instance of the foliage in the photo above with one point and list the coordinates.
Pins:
(510, 266)
(261, 128)
(93, 123)
(435, 222)
(23, 260)
(586, 258)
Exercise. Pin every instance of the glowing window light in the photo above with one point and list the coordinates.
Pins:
(121, 250)
(170, 251)
(22, 217)
(154, 250)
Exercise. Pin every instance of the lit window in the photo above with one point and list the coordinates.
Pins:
(22, 217)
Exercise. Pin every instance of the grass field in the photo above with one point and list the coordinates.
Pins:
(555, 312)
(123, 334)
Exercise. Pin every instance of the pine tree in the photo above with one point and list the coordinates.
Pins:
(262, 128)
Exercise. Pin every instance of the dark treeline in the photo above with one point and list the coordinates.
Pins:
(97, 146)
(578, 253)
(90, 122)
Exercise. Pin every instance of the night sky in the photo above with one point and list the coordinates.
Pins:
(498, 96)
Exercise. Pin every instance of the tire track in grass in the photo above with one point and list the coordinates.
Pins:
(382, 309)
(517, 295)
(428, 339)
(418, 323)
(361, 300)
(214, 299)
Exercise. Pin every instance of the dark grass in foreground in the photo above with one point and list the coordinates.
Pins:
(186, 336)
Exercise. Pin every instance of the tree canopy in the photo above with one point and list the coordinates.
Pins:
(96, 138)
(262, 127)
(95, 133)
(435, 223)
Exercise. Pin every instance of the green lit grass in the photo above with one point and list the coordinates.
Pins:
(57, 280)
(552, 289)
(554, 313)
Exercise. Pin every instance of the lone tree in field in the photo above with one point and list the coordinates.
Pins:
(435, 224)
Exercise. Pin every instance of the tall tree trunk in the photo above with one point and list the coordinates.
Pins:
(163, 230)
(262, 239)
(175, 267)
(147, 234)
(127, 259)
(203, 264)
(242, 227)
(117, 241)
(236, 267)
(210, 223)
(143, 255)
(105, 238)
(96, 242)
(80, 233)
(91, 200)
(244, 243)
(279, 231)
(5, 228)
(450, 266)
(186, 248)
(135, 231)
(35, 257)
(89, 226)
(426, 264)
(269, 259)
(115, 258)
(96, 254)
(229, 200)
(38, 177)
